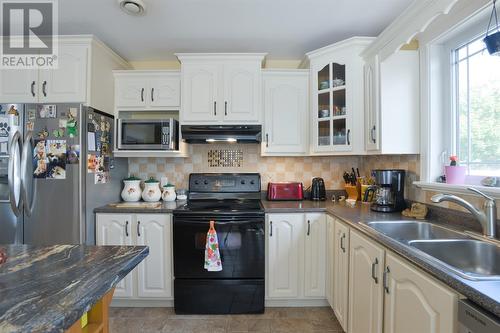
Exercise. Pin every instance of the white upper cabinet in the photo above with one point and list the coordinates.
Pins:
(221, 88)
(18, 86)
(414, 302)
(315, 255)
(84, 75)
(68, 82)
(337, 97)
(155, 272)
(366, 295)
(392, 104)
(242, 83)
(200, 93)
(285, 112)
(147, 90)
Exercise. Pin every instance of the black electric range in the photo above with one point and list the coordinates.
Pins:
(232, 201)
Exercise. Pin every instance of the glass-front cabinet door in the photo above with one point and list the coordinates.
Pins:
(331, 110)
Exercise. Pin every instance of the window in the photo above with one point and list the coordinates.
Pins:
(476, 134)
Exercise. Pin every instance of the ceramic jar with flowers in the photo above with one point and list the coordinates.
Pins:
(131, 189)
(455, 174)
(151, 191)
(169, 193)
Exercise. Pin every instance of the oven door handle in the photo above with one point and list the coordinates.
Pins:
(185, 222)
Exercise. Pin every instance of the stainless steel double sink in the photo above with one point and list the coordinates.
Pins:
(470, 258)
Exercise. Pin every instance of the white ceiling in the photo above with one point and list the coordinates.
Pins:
(286, 29)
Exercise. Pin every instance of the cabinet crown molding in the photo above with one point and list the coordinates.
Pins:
(414, 20)
(220, 56)
(350, 42)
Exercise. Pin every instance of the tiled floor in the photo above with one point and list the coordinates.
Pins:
(289, 320)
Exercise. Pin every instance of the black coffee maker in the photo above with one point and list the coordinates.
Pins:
(389, 191)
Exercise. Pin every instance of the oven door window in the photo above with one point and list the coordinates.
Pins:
(141, 133)
(241, 246)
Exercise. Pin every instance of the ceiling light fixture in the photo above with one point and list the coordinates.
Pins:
(133, 7)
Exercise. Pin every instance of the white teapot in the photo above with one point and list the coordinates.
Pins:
(168, 193)
(151, 191)
(132, 189)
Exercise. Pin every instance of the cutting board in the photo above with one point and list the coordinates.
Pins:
(151, 205)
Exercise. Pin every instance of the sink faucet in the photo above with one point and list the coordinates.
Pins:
(487, 218)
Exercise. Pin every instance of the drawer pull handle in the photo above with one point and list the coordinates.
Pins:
(271, 229)
(126, 228)
(308, 227)
(138, 229)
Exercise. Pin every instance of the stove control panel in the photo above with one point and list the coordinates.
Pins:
(224, 183)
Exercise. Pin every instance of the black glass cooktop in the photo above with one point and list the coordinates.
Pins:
(222, 206)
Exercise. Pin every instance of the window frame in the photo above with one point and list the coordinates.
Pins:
(454, 129)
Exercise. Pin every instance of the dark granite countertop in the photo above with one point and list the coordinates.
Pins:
(48, 288)
(484, 293)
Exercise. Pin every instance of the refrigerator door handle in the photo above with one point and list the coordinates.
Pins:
(13, 174)
(29, 199)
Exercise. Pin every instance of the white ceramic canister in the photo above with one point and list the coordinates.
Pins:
(151, 191)
(132, 189)
(169, 193)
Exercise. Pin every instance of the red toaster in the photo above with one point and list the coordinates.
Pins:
(285, 191)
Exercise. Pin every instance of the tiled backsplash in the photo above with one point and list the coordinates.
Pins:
(303, 169)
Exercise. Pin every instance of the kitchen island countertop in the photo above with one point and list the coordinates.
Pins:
(48, 288)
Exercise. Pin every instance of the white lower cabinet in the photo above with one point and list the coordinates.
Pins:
(152, 279)
(330, 258)
(366, 293)
(341, 273)
(284, 243)
(388, 294)
(114, 229)
(416, 303)
(296, 246)
(314, 255)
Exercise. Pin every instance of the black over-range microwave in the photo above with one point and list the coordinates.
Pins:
(150, 134)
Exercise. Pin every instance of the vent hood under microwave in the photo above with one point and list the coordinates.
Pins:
(221, 133)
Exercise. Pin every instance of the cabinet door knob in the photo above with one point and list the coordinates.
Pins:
(142, 95)
(152, 94)
(374, 265)
(138, 228)
(44, 88)
(33, 88)
(126, 228)
(385, 283)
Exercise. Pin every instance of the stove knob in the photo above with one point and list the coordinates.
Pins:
(196, 182)
(252, 182)
(205, 182)
(243, 182)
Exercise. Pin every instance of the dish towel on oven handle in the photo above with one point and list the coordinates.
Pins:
(212, 254)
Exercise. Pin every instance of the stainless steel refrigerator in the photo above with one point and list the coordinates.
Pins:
(56, 166)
